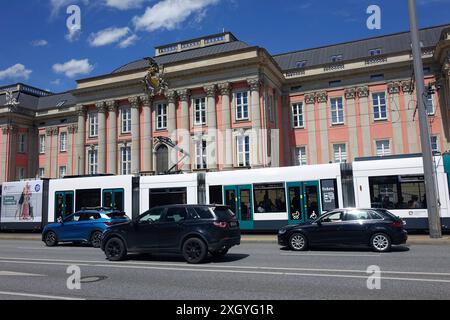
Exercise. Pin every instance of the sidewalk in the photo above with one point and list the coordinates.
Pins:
(248, 238)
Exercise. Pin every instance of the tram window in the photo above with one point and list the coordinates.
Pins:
(269, 197)
(398, 192)
(88, 198)
(215, 195)
(162, 197)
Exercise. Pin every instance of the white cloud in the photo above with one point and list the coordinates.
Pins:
(17, 71)
(124, 4)
(73, 68)
(39, 43)
(131, 40)
(169, 14)
(108, 36)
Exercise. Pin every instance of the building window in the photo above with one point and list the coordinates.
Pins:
(126, 120)
(125, 156)
(300, 156)
(21, 173)
(161, 116)
(434, 144)
(375, 52)
(41, 172)
(62, 171)
(242, 106)
(22, 143)
(383, 147)
(93, 124)
(200, 154)
(297, 115)
(270, 105)
(199, 111)
(336, 58)
(93, 162)
(430, 105)
(63, 142)
(379, 106)
(337, 111)
(42, 144)
(243, 151)
(340, 153)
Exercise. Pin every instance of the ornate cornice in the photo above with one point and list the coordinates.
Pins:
(72, 129)
(100, 106)
(363, 92)
(134, 102)
(309, 98)
(407, 86)
(111, 105)
(210, 90)
(350, 93)
(225, 88)
(394, 87)
(80, 110)
(322, 96)
(171, 96)
(254, 84)
(52, 131)
(184, 95)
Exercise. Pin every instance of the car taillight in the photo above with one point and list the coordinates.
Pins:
(222, 225)
(109, 224)
(397, 224)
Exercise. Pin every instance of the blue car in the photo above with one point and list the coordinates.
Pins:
(84, 226)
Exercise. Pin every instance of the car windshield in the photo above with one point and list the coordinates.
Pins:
(224, 213)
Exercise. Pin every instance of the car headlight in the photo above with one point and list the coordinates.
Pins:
(282, 231)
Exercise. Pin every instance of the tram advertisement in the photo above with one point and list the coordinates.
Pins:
(21, 202)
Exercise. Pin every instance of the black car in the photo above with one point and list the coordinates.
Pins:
(192, 230)
(376, 228)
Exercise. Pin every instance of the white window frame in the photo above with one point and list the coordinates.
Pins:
(62, 171)
(437, 149)
(243, 151)
(42, 143)
(433, 108)
(335, 109)
(93, 161)
(125, 117)
(125, 160)
(93, 124)
(342, 154)
(379, 106)
(63, 142)
(298, 113)
(161, 116)
(199, 111)
(239, 98)
(301, 157)
(201, 156)
(383, 149)
(22, 143)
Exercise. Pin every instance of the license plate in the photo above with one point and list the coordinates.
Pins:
(233, 224)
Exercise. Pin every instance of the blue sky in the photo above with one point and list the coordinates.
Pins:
(35, 47)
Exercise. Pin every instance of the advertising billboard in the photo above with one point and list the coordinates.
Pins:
(22, 202)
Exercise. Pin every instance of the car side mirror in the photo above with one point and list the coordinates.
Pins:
(60, 220)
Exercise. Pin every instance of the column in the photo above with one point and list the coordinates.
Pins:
(394, 102)
(148, 138)
(211, 120)
(101, 109)
(12, 174)
(111, 105)
(350, 95)
(55, 151)
(48, 152)
(72, 129)
(135, 135)
(311, 126)
(80, 141)
(363, 95)
(184, 133)
(286, 128)
(172, 125)
(225, 130)
(4, 153)
(255, 111)
(322, 100)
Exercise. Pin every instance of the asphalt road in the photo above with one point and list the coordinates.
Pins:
(29, 270)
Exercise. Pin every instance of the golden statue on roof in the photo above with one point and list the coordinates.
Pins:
(154, 82)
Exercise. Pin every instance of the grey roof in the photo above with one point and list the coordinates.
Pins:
(51, 102)
(26, 101)
(399, 42)
(186, 55)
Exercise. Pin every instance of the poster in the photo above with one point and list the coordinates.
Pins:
(21, 202)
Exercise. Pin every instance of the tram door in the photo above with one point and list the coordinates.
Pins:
(113, 198)
(239, 198)
(63, 204)
(304, 201)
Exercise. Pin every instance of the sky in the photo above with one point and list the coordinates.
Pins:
(38, 48)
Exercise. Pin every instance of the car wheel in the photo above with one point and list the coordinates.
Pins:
(219, 253)
(194, 250)
(96, 239)
(298, 242)
(115, 249)
(50, 239)
(380, 242)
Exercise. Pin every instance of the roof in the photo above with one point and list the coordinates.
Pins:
(393, 43)
(185, 55)
(56, 100)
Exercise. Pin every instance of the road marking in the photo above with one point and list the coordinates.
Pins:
(330, 254)
(20, 274)
(32, 295)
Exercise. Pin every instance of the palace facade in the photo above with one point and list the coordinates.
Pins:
(231, 105)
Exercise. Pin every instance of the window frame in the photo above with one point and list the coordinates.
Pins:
(297, 162)
(242, 152)
(203, 155)
(433, 107)
(93, 124)
(65, 171)
(297, 116)
(42, 144)
(22, 148)
(127, 162)
(239, 104)
(383, 153)
(379, 106)
(63, 142)
(161, 117)
(199, 111)
(92, 167)
(340, 152)
(125, 120)
(337, 111)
